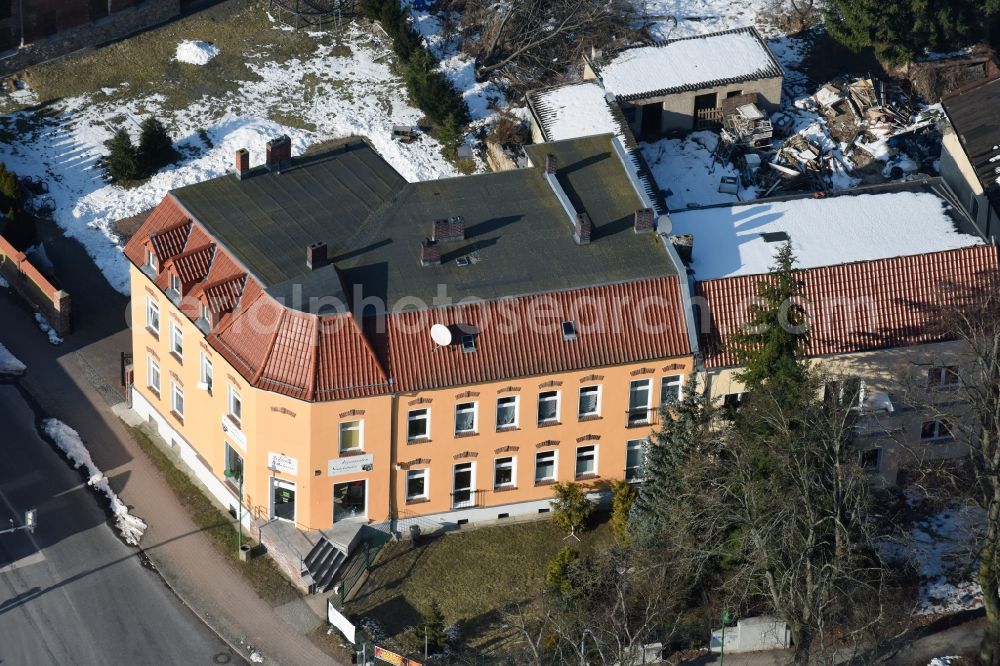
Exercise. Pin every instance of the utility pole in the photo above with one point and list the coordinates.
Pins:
(722, 647)
(30, 522)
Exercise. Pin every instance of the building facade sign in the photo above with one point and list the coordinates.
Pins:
(234, 433)
(279, 462)
(350, 465)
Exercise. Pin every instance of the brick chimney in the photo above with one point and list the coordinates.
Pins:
(684, 244)
(430, 253)
(279, 153)
(551, 164)
(316, 255)
(582, 228)
(448, 230)
(645, 220)
(242, 163)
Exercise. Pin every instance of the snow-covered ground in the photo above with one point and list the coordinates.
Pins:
(334, 95)
(195, 52)
(68, 440)
(939, 549)
(670, 19)
(10, 365)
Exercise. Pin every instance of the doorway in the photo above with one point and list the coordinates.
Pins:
(283, 500)
(652, 119)
(350, 500)
(705, 110)
(462, 490)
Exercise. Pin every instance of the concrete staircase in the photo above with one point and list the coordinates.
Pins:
(323, 562)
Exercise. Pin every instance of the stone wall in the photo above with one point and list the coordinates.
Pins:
(75, 30)
(26, 280)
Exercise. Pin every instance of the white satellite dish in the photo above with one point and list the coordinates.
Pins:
(664, 225)
(441, 335)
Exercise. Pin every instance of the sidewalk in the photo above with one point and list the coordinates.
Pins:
(76, 382)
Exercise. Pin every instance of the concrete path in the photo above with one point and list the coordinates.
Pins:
(76, 382)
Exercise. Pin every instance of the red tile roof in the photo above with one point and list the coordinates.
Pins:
(515, 337)
(856, 307)
(193, 264)
(168, 215)
(329, 357)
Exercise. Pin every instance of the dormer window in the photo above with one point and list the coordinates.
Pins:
(175, 283)
(569, 330)
(206, 314)
(468, 344)
(152, 261)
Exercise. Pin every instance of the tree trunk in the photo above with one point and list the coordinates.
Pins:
(802, 638)
(989, 649)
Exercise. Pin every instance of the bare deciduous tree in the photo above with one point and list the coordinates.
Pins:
(968, 407)
(540, 35)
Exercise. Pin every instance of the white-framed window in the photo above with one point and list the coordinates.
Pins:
(548, 407)
(153, 374)
(175, 283)
(235, 406)
(850, 392)
(206, 313)
(176, 340)
(635, 453)
(732, 402)
(234, 463)
(152, 261)
(465, 418)
(590, 401)
(176, 399)
(463, 488)
(507, 412)
(545, 466)
(505, 472)
(671, 388)
(586, 460)
(937, 430)
(942, 376)
(638, 401)
(205, 374)
(152, 316)
(417, 486)
(418, 424)
(870, 459)
(351, 436)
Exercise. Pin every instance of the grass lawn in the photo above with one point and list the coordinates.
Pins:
(144, 64)
(472, 574)
(262, 574)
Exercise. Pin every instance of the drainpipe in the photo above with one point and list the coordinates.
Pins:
(20, 18)
(393, 458)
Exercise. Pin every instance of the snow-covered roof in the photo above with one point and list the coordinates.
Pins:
(742, 239)
(574, 110)
(691, 63)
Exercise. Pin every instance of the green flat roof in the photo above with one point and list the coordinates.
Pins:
(518, 237)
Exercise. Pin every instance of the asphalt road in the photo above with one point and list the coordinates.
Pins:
(73, 593)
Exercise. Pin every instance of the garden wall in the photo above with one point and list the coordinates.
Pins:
(26, 280)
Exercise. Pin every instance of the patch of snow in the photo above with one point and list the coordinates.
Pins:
(47, 329)
(337, 95)
(23, 94)
(68, 440)
(3, 283)
(575, 110)
(688, 62)
(824, 232)
(256, 657)
(670, 19)
(10, 365)
(939, 547)
(931, 56)
(684, 170)
(195, 52)
(942, 661)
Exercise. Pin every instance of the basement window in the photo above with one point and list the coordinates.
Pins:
(569, 330)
